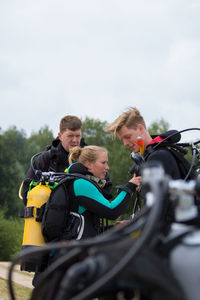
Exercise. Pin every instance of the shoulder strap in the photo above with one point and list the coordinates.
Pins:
(185, 167)
(178, 153)
(74, 176)
(53, 152)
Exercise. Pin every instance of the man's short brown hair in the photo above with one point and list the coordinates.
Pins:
(130, 118)
(71, 123)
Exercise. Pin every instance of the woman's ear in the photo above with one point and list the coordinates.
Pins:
(87, 164)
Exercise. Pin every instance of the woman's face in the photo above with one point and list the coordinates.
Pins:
(100, 166)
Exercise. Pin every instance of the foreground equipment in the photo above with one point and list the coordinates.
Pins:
(153, 256)
(143, 259)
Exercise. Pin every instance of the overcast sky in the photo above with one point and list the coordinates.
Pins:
(95, 58)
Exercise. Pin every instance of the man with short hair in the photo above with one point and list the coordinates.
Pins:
(129, 126)
(55, 158)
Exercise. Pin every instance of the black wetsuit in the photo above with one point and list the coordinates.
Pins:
(161, 154)
(54, 159)
(164, 156)
(167, 160)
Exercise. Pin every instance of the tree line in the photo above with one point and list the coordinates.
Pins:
(16, 151)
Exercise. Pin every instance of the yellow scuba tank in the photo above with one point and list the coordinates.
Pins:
(32, 235)
(32, 229)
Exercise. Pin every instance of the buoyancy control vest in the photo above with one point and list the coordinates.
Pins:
(38, 227)
(169, 140)
(61, 207)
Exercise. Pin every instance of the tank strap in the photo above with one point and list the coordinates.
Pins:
(32, 212)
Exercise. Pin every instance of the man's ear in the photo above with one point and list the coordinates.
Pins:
(59, 136)
(140, 127)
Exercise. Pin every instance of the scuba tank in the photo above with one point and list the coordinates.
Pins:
(32, 236)
(37, 197)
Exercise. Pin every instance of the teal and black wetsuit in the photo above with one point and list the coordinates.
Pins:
(92, 204)
(87, 199)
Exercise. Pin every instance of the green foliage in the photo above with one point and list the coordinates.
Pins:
(158, 127)
(10, 237)
(15, 153)
(93, 132)
(37, 142)
(41, 139)
(119, 163)
(11, 168)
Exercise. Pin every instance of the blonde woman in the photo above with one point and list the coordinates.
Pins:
(87, 197)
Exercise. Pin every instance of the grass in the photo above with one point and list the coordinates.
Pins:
(18, 271)
(21, 293)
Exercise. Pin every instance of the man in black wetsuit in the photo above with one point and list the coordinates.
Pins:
(56, 157)
(129, 126)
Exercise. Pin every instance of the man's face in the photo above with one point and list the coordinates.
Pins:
(70, 138)
(129, 138)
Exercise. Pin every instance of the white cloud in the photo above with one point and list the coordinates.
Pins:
(95, 58)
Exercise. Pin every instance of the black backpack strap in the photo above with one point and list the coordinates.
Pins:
(80, 176)
(153, 147)
(33, 212)
(178, 153)
(57, 210)
(53, 153)
(184, 165)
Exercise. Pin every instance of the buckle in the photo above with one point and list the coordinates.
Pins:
(30, 212)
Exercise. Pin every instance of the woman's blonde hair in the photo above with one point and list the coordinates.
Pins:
(88, 153)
